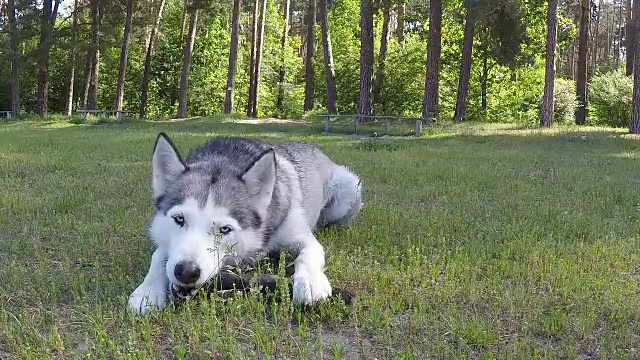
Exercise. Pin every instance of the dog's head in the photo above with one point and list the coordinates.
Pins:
(207, 210)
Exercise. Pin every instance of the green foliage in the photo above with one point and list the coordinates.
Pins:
(610, 98)
(564, 101)
(511, 32)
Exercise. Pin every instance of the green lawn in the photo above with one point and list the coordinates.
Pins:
(475, 242)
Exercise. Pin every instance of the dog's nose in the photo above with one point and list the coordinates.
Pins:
(187, 272)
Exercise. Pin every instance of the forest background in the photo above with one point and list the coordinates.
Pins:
(175, 58)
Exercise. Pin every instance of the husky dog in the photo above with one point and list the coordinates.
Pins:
(235, 197)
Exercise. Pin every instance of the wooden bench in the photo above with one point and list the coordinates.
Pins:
(119, 114)
(6, 113)
(387, 121)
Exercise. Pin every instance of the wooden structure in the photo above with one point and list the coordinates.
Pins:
(419, 121)
(119, 114)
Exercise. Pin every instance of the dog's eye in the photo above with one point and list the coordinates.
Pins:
(179, 219)
(225, 230)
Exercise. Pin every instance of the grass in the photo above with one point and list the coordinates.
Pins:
(476, 241)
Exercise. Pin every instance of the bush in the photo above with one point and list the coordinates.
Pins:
(564, 101)
(610, 99)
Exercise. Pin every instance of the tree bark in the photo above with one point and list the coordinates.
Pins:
(183, 93)
(366, 59)
(619, 34)
(252, 60)
(13, 53)
(400, 10)
(329, 71)
(630, 38)
(634, 124)
(122, 67)
(259, 45)
(233, 57)
(546, 116)
(594, 51)
(308, 60)
(146, 77)
(384, 40)
(465, 67)
(484, 79)
(434, 49)
(283, 45)
(581, 78)
(43, 57)
(72, 60)
(94, 54)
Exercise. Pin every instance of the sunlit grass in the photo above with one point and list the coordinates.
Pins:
(476, 241)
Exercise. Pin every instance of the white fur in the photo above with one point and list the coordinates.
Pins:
(199, 241)
(345, 187)
(152, 293)
(310, 284)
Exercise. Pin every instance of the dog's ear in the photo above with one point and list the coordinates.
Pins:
(167, 164)
(260, 178)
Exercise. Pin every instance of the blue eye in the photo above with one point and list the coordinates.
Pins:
(224, 230)
(179, 219)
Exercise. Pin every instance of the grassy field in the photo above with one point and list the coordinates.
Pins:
(475, 242)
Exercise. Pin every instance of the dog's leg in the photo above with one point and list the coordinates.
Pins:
(152, 293)
(310, 284)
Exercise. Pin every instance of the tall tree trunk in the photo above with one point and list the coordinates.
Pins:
(484, 79)
(13, 53)
(546, 116)
(173, 97)
(400, 10)
(252, 60)
(283, 45)
(329, 71)
(630, 38)
(434, 48)
(619, 35)
(122, 67)
(581, 79)
(43, 58)
(94, 53)
(465, 67)
(183, 18)
(594, 51)
(634, 124)
(308, 60)
(384, 40)
(259, 45)
(233, 57)
(146, 77)
(72, 60)
(366, 58)
(183, 93)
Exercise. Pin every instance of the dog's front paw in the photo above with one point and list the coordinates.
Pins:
(309, 287)
(146, 298)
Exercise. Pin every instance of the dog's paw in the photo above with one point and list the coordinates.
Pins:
(310, 287)
(147, 298)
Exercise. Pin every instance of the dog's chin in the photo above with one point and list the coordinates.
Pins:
(180, 292)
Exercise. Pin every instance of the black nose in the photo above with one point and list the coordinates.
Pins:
(187, 272)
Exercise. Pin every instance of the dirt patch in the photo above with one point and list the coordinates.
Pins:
(271, 121)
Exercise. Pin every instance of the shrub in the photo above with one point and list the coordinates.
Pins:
(610, 99)
(564, 103)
